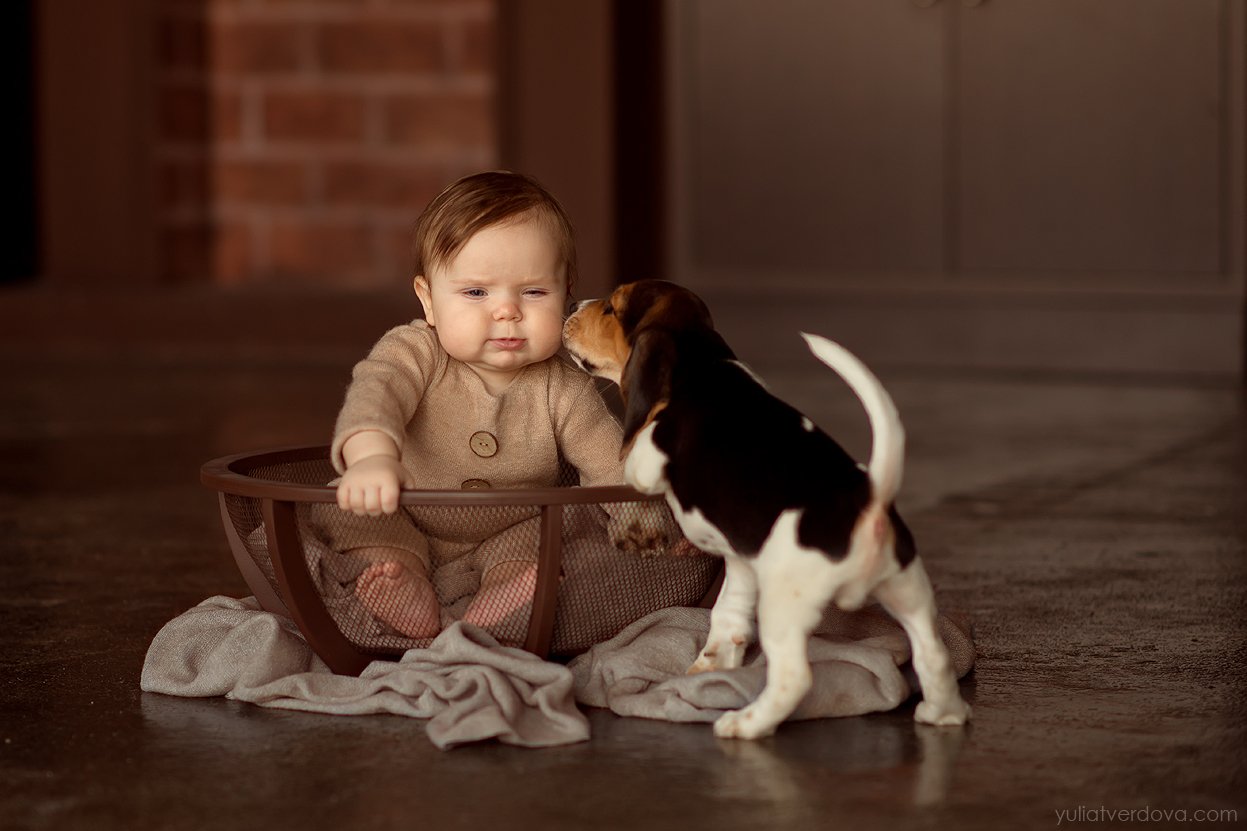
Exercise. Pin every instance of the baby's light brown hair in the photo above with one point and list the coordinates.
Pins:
(483, 200)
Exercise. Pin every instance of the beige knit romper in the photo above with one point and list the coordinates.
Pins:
(454, 434)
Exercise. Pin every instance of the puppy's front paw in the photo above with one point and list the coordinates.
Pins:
(720, 653)
(645, 529)
(743, 724)
(702, 664)
(635, 538)
(946, 714)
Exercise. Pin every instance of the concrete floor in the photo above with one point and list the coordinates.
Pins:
(1093, 530)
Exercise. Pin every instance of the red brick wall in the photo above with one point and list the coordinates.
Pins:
(297, 140)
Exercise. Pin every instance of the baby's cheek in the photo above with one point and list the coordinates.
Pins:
(548, 333)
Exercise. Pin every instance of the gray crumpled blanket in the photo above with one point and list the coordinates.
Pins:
(859, 662)
(471, 688)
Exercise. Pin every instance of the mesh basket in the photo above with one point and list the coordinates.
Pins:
(538, 568)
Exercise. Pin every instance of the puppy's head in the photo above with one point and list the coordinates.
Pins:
(630, 338)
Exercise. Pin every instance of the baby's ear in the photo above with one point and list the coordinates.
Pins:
(421, 285)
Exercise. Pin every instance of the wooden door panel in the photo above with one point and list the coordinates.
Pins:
(814, 136)
(1037, 184)
(1092, 137)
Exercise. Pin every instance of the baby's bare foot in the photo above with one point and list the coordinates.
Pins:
(401, 598)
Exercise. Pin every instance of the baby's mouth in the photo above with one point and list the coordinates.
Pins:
(507, 343)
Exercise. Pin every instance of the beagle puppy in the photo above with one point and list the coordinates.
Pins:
(749, 478)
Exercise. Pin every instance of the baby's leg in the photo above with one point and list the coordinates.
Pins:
(506, 591)
(508, 567)
(396, 590)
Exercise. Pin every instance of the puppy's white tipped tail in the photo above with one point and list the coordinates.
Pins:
(887, 452)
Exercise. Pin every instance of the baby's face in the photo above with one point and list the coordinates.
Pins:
(498, 305)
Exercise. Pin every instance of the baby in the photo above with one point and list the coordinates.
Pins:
(472, 397)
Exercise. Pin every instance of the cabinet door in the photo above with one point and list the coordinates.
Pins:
(811, 138)
(1092, 140)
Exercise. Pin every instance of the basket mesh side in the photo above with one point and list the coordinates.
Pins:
(307, 472)
(604, 589)
(244, 511)
(387, 603)
(244, 514)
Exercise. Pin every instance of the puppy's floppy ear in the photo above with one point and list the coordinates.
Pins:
(646, 380)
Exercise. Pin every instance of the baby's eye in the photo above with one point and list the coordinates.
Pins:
(536, 293)
(473, 293)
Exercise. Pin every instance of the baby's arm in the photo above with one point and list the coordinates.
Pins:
(386, 388)
(588, 435)
(373, 474)
(590, 438)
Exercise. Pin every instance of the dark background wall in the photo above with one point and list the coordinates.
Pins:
(1064, 180)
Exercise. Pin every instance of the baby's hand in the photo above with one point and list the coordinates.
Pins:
(370, 486)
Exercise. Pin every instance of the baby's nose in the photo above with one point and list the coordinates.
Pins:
(507, 310)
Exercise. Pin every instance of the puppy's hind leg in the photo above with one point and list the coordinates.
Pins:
(908, 597)
(731, 619)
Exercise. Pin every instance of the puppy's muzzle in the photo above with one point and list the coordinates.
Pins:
(571, 328)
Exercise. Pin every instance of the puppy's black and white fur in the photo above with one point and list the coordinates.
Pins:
(799, 523)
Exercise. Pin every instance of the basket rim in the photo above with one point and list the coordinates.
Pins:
(222, 474)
